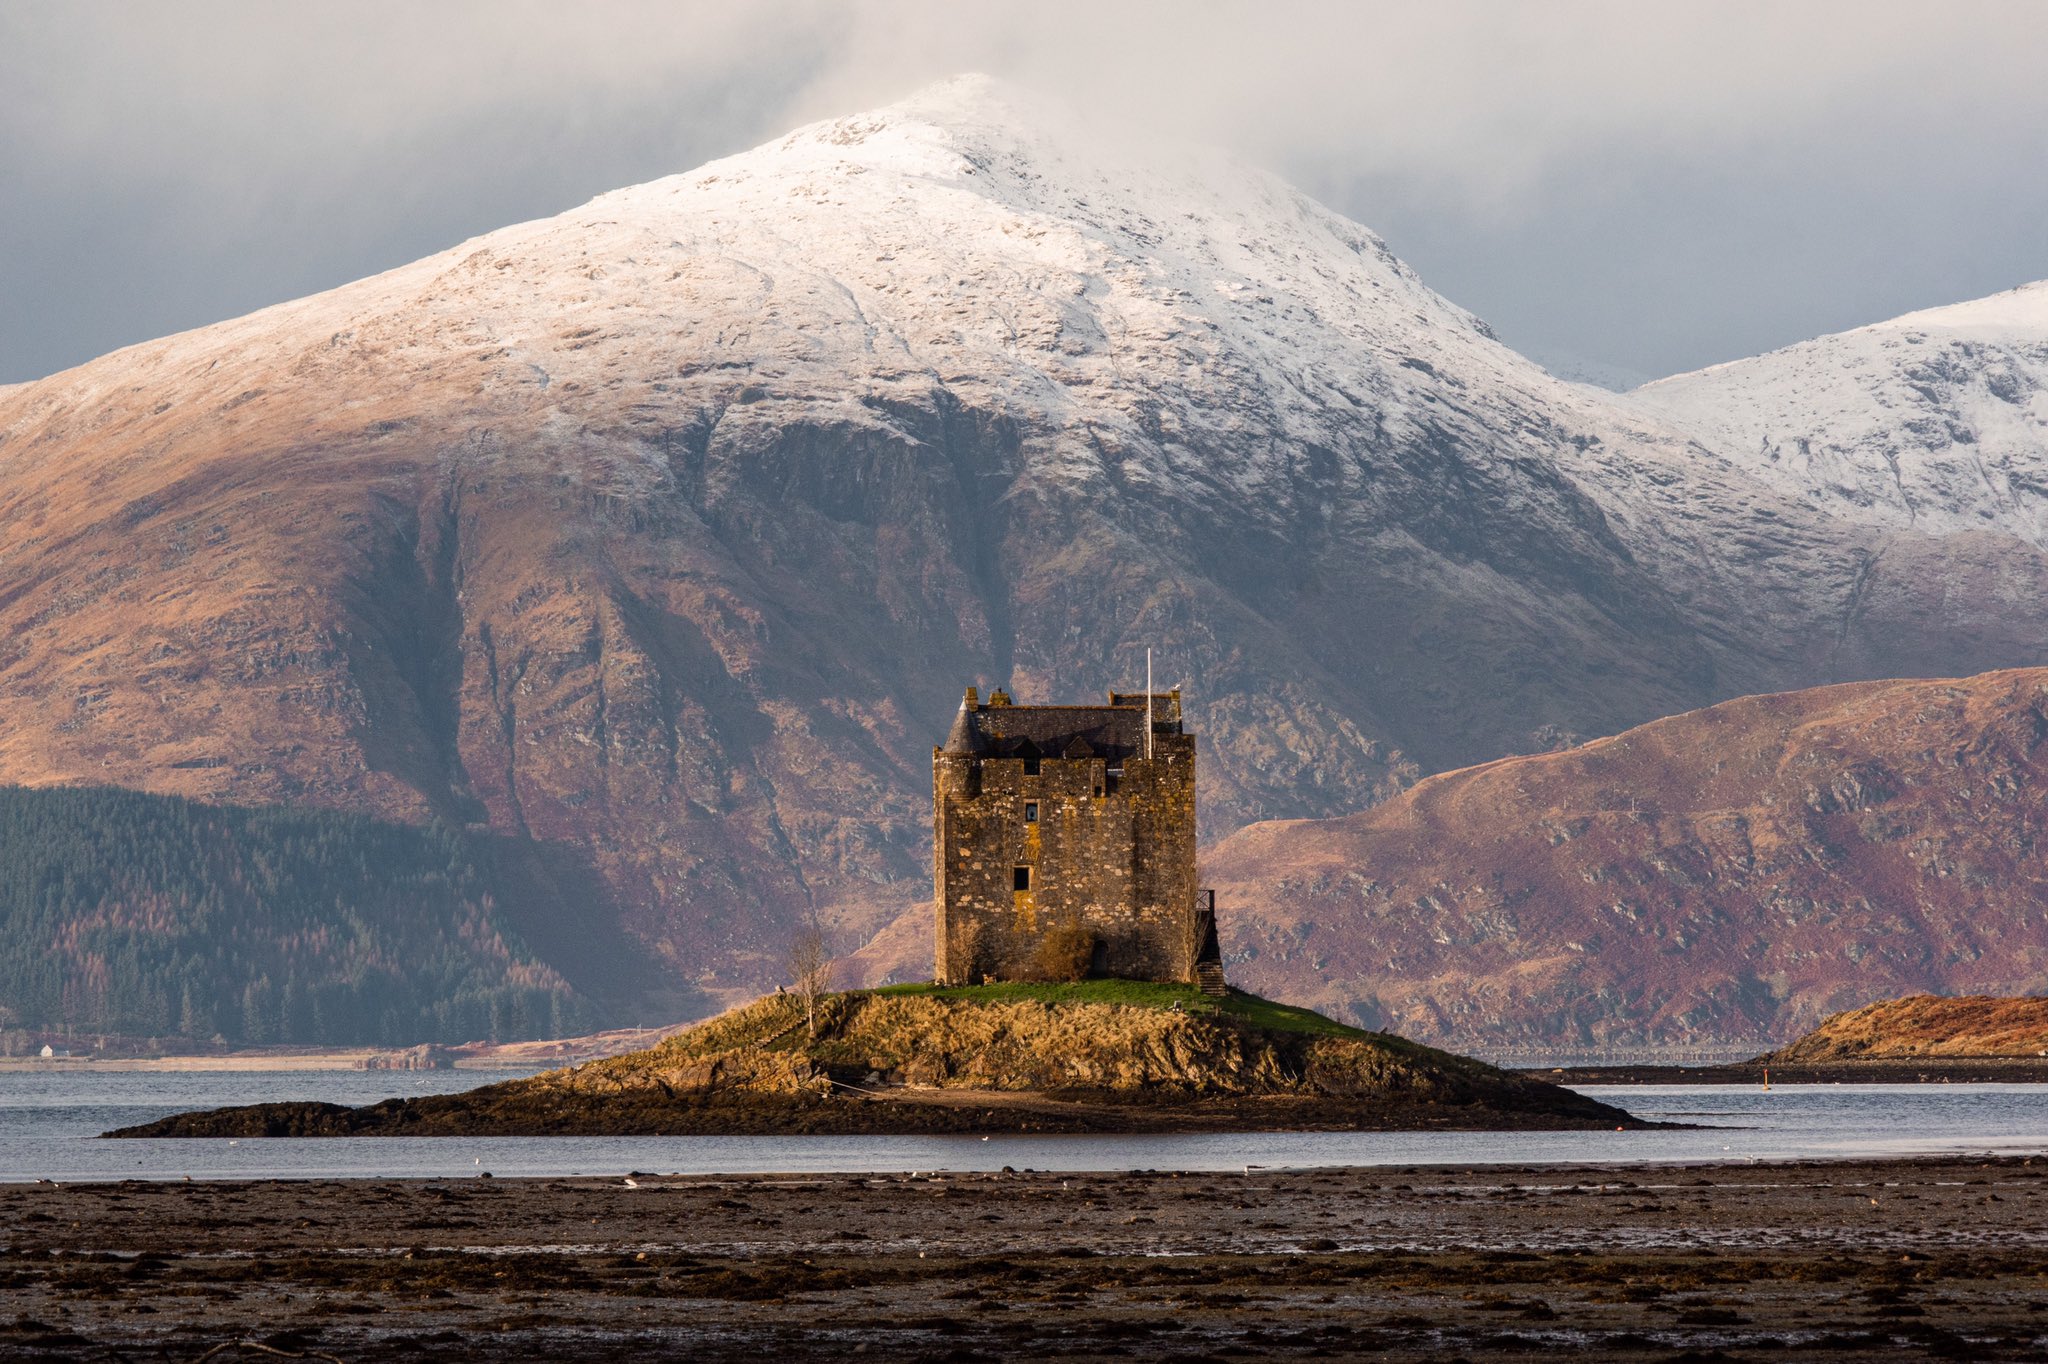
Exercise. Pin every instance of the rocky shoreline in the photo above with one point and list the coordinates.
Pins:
(1850, 1260)
(519, 1113)
(1095, 1056)
(1931, 1070)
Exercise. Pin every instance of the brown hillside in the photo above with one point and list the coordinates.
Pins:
(1733, 873)
(659, 537)
(1927, 1026)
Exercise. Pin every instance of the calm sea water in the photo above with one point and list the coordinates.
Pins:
(49, 1123)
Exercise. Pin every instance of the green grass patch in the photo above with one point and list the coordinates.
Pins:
(1144, 994)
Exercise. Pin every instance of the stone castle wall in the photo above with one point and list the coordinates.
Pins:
(1113, 850)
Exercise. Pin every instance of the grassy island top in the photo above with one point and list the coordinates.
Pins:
(1125, 1035)
(1143, 994)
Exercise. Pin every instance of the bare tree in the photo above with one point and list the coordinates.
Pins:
(1192, 935)
(810, 971)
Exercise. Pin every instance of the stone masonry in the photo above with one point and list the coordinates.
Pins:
(1054, 817)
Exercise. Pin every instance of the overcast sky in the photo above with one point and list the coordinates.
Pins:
(1651, 185)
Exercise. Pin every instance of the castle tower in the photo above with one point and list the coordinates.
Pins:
(1069, 820)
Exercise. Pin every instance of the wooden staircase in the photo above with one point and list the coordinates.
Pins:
(1209, 956)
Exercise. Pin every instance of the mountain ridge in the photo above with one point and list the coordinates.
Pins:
(660, 534)
(1700, 878)
(1935, 419)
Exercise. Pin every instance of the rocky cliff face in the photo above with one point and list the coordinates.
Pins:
(1734, 873)
(660, 535)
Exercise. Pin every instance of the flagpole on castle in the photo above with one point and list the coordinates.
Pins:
(1148, 704)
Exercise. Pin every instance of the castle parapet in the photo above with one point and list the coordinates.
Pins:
(1060, 829)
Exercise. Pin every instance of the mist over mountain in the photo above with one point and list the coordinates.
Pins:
(660, 536)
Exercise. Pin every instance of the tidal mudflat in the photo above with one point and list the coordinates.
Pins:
(1861, 1259)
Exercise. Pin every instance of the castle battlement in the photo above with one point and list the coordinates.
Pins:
(1071, 818)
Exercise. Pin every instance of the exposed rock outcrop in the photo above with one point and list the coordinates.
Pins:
(1919, 1027)
(1055, 1058)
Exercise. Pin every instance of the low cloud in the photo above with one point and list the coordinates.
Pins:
(1655, 186)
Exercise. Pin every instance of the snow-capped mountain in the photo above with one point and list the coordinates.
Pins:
(659, 536)
(1936, 420)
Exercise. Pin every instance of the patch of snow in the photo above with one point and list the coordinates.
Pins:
(1937, 420)
(1161, 319)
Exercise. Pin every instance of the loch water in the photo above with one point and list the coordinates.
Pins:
(50, 1124)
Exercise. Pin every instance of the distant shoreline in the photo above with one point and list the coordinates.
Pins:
(296, 1061)
(1933, 1070)
(542, 1054)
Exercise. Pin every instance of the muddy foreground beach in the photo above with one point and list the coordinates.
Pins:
(1936, 1258)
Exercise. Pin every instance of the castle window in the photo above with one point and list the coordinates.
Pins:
(1031, 812)
(1020, 879)
(1031, 767)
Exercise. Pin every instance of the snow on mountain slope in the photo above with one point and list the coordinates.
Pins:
(1936, 420)
(957, 238)
(659, 536)
(1167, 318)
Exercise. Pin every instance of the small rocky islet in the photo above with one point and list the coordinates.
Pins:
(1096, 1056)
(1929, 1027)
(1923, 1039)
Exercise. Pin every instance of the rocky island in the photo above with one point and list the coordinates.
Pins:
(1092, 1056)
(2010, 1034)
(1935, 1039)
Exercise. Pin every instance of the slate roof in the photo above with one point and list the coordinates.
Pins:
(1113, 732)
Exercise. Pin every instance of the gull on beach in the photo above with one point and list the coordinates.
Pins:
(632, 1183)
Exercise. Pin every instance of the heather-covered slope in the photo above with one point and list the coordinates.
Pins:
(1097, 1056)
(661, 535)
(1985, 1027)
(1735, 873)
